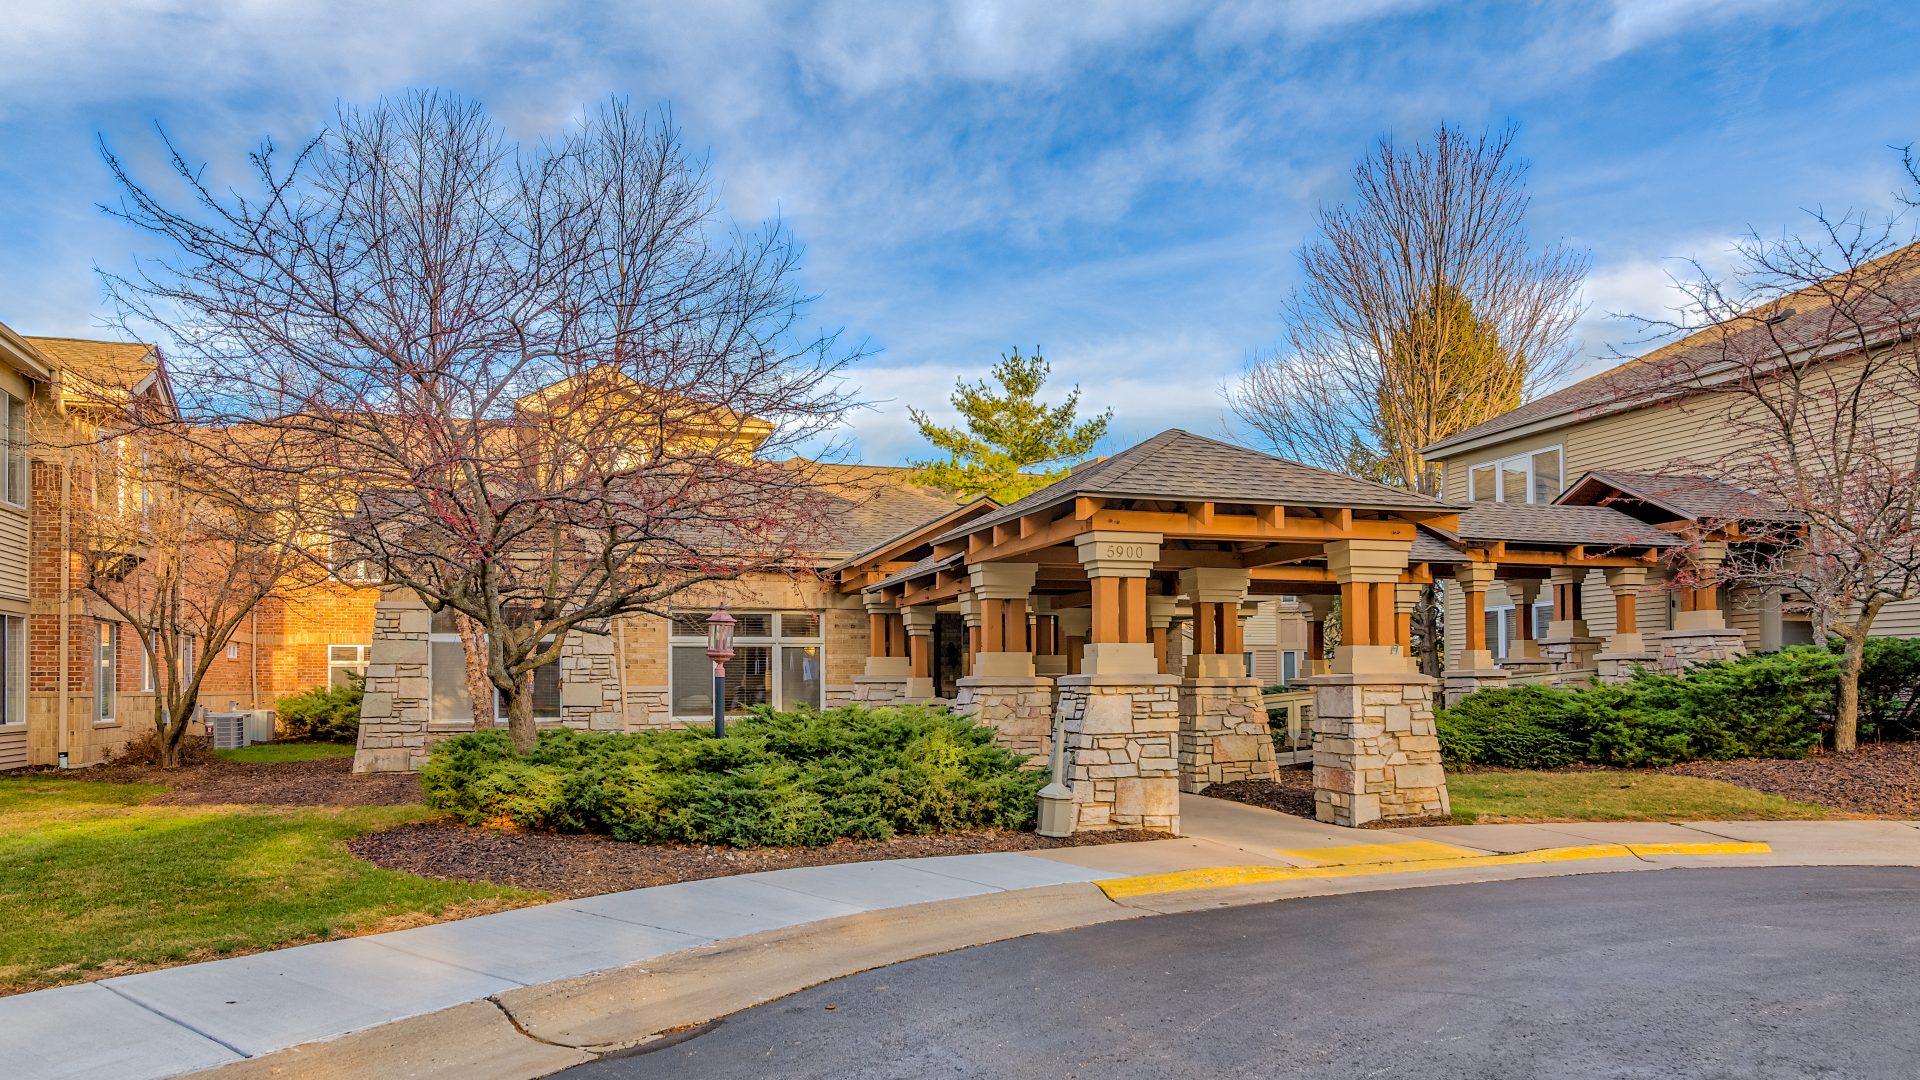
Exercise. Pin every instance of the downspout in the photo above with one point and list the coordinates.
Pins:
(620, 672)
(66, 600)
(253, 658)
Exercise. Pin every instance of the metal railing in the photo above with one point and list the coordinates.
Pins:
(1290, 721)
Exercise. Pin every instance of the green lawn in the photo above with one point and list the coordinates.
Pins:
(94, 881)
(1612, 796)
(274, 753)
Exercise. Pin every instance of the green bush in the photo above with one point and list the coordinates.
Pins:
(323, 714)
(1890, 689)
(1767, 705)
(1517, 727)
(775, 778)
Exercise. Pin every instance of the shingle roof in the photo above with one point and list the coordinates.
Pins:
(1693, 497)
(1523, 523)
(1429, 547)
(874, 504)
(111, 366)
(951, 513)
(1670, 371)
(1178, 464)
(920, 569)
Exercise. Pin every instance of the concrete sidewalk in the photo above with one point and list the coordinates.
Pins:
(526, 978)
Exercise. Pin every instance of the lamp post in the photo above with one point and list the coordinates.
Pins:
(720, 650)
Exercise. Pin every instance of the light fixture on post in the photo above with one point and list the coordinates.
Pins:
(720, 650)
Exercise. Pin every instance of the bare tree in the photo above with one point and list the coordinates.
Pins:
(168, 549)
(1809, 347)
(1424, 308)
(540, 386)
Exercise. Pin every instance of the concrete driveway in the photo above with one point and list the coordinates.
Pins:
(1775, 972)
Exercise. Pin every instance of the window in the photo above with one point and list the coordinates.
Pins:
(233, 650)
(13, 487)
(146, 665)
(1523, 478)
(1503, 630)
(447, 678)
(13, 670)
(186, 657)
(1289, 666)
(343, 660)
(779, 659)
(106, 672)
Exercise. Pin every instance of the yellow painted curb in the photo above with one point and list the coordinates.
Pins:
(1730, 847)
(1400, 851)
(1220, 877)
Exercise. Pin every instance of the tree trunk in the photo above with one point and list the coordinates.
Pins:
(520, 716)
(1846, 706)
(473, 644)
(166, 743)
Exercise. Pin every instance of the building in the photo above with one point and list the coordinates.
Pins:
(75, 682)
(1642, 438)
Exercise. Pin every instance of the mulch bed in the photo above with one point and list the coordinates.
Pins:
(1291, 794)
(1881, 778)
(323, 782)
(574, 865)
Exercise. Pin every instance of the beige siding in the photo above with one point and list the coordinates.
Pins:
(1676, 436)
(13, 553)
(13, 747)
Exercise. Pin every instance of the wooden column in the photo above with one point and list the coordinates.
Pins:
(1626, 613)
(1385, 628)
(876, 633)
(1474, 605)
(1356, 610)
(920, 649)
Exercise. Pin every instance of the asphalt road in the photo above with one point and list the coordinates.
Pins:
(1680, 973)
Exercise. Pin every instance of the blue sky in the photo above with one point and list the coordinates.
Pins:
(1122, 184)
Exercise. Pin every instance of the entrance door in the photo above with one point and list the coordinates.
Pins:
(949, 653)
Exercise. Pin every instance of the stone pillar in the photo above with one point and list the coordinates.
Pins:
(970, 617)
(919, 626)
(1406, 601)
(1316, 609)
(1375, 754)
(590, 683)
(1625, 649)
(1160, 612)
(1567, 643)
(888, 666)
(1073, 625)
(396, 707)
(1223, 723)
(1003, 690)
(1049, 653)
(1475, 669)
(1119, 718)
(1700, 632)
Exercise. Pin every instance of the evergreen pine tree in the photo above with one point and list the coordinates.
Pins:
(1010, 443)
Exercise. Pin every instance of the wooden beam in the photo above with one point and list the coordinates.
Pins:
(1084, 507)
(1200, 514)
(1290, 573)
(1270, 554)
(1248, 526)
(1273, 517)
(1057, 531)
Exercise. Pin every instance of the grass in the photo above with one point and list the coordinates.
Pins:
(96, 881)
(275, 753)
(1612, 795)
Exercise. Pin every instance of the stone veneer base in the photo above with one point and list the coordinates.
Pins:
(1457, 683)
(1121, 759)
(1678, 650)
(1223, 733)
(877, 690)
(1018, 708)
(1375, 753)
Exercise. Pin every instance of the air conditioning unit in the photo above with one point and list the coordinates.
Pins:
(229, 730)
(260, 725)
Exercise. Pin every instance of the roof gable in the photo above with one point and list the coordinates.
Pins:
(1179, 465)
